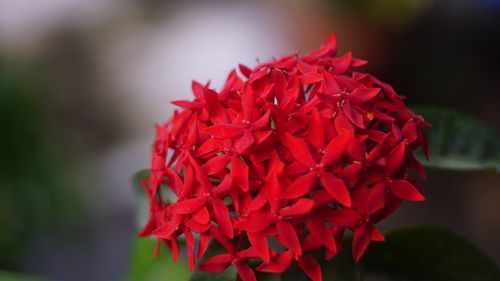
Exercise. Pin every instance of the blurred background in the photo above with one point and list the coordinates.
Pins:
(83, 82)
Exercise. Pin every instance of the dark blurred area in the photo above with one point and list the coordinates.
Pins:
(83, 82)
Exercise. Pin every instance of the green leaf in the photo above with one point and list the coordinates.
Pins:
(145, 267)
(429, 253)
(459, 142)
(14, 276)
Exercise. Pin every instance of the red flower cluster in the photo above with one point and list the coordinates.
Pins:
(281, 162)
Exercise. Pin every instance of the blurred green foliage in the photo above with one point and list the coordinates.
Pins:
(459, 142)
(35, 194)
(429, 253)
(145, 267)
(11, 276)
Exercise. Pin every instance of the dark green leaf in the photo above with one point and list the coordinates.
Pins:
(429, 253)
(460, 142)
(14, 276)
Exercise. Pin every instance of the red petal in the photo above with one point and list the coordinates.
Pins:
(321, 198)
(302, 207)
(247, 103)
(356, 150)
(208, 147)
(342, 125)
(351, 173)
(361, 239)
(190, 248)
(202, 216)
(148, 229)
(197, 89)
(362, 95)
(330, 45)
(300, 150)
(221, 213)
(395, 159)
(188, 104)
(425, 143)
(224, 187)
(174, 245)
(174, 181)
(188, 181)
(329, 48)
(245, 272)
(258, 202)
(310, 78)
(316, 130)
(216, 112)
(188, 206)
(239, 172)
(216, 263)
(203, 244)
(353, 115)
(216, 165)
(166, 230)
(245, 70)
(358, 62)
(223, 131)
(318, 229)
(278, 263)
(376, 235)
(262, 136)
(341, 65)
(405, 190)
(344, 217)
(273, 190)
(288, 236)
(311, 267)
(200, 174)
(300, 187)
(416, 166)
(219, 235)
(264, 94)
(376, 199)
(410, 132)
(337, 188)
(310, 243)
(259, 242)
(262, 122)
(245, 142)
(196, 226)
(380, 149)
(248, 253)
(335, 149)
(296, 168)
(256, 223)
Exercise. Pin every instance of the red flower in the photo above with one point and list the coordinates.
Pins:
(297, 150)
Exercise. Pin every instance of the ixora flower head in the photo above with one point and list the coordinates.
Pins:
(284, 160)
